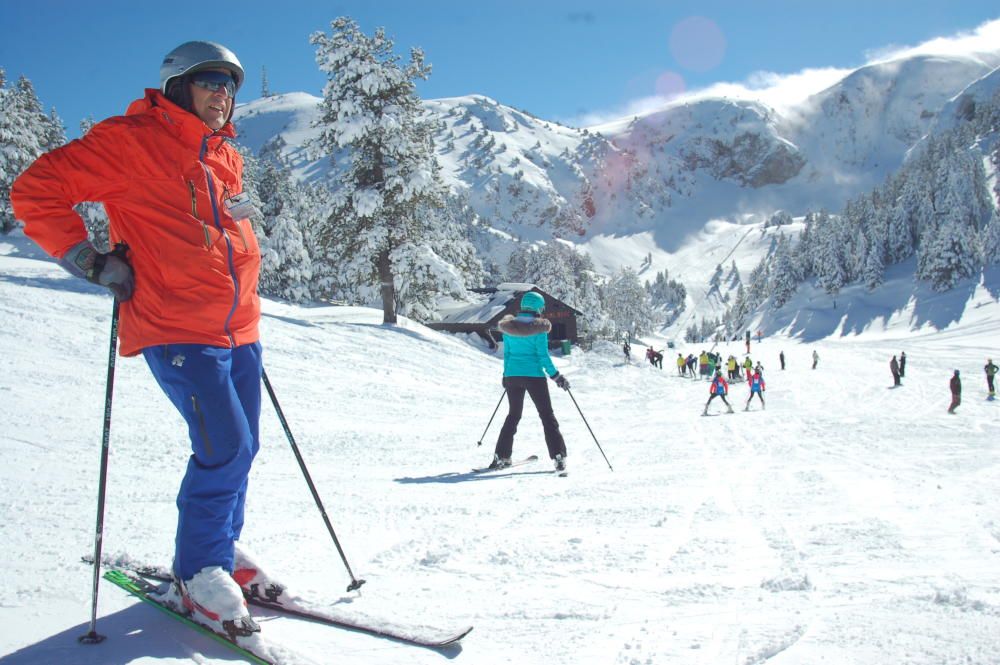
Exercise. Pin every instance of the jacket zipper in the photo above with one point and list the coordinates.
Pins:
(201, 425)
(229, 243)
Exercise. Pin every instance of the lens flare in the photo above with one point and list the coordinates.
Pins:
(670, 85)
(697, 43)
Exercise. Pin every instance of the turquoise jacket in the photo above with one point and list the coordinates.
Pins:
(526, 346)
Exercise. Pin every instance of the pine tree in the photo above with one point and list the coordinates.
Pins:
(948, 254)
(991, 241)
(832, 254)
(385, 236)
(628, 303)
(25, 133)
(783, 276)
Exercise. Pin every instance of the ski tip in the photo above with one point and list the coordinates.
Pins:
(453, 640)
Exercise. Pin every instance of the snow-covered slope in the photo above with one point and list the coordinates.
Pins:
(847, 523)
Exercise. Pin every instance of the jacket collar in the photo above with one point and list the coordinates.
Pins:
(188, 127)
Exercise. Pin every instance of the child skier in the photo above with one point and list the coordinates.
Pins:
(756, 388)
(718, 388)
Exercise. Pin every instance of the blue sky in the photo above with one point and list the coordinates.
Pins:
(576, 62)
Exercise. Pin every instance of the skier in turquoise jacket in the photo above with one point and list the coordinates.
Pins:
(526, 363)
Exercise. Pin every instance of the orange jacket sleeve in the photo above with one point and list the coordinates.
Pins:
(87, 169)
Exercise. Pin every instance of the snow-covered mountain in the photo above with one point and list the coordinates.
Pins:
(693, 176)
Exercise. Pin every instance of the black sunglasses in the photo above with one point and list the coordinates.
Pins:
(213, 81)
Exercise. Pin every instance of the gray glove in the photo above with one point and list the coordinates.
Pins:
(110, 270)
(561, 381)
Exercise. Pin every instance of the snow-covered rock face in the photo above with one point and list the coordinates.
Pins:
(867, 121)
(728, 140)
(668, 172)
(963, 106)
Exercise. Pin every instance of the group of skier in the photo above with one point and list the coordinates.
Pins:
(897, 366)
(955, 385)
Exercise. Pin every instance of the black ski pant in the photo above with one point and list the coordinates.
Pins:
(956, 399)
(538, 389)
(720, 396)
(895, 379)
(989, 383)
(758, 393)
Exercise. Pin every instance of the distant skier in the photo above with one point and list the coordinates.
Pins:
(627, 349)
(691, 362)
(681, 364)
(658, 359)
(756, 388)
(991, 371)
(719, 388)
(894, 368)
(902, 364)
(748, 368)
(748, 341)
(703, 364)
(733, 366)
(956, 392)
(526, 361)
(781, 357)
(815, 358)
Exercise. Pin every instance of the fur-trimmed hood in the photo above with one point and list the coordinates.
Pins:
(522, 327)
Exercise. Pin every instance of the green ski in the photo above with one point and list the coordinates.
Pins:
(142, 589)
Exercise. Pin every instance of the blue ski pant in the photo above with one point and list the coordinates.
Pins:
(217, 391)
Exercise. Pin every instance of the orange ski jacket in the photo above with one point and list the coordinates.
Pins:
(164, 177)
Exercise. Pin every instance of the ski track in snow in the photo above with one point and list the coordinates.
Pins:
(846, 523)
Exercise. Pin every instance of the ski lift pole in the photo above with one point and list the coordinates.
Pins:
(588, 428)
(499, 402)
(355, 582)
(92, 636)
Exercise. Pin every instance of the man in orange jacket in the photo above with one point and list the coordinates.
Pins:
(172, 186)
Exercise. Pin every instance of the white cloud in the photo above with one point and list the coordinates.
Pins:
(984, 40)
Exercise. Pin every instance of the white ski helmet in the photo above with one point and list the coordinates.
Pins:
(191, 57)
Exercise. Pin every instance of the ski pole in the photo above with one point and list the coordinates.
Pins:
(588, 428)
(355, 582)
(502, 395)
(92, 636)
